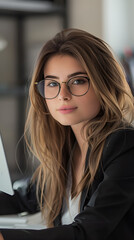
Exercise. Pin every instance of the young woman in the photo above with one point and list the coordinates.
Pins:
(79, 126)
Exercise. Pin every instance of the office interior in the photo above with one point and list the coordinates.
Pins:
(24, 27)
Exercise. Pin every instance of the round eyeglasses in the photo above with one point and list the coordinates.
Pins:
(49, 88)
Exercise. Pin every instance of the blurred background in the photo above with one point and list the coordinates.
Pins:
(24, 27)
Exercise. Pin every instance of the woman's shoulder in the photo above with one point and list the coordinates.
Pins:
(119, 142)
(121, 135)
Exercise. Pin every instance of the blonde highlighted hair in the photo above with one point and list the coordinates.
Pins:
(49, 141)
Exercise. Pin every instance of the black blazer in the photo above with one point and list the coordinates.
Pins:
(107, 209)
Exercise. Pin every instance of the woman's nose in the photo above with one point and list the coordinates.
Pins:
(64, 93)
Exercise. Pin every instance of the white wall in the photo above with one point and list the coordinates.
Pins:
(131, 21)
(86, 15)
(117, 23)
(111, 20)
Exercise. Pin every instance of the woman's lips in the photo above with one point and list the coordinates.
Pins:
(67, 109)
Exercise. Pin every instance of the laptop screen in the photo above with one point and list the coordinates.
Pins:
(5, 180)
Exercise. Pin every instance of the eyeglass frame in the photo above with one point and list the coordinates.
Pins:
(59, 84)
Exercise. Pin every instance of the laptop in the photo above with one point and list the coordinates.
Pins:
(5, 180)
(22, 220)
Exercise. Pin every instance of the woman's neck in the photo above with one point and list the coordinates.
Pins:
(82, 144)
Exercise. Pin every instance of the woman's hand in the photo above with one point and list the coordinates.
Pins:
(1, 237)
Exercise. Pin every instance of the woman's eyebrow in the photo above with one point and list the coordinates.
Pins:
(51, 76)
(69, 76)
(75, 74)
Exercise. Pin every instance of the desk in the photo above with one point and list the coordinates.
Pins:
(32, 221)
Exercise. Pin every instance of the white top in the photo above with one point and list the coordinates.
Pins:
(70, 210)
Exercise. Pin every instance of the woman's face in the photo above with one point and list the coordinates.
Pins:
(66, 108)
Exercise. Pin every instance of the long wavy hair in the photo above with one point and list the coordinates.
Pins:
(49, 141)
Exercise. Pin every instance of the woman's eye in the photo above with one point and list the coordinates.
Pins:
(79, 81)
(52, 84)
